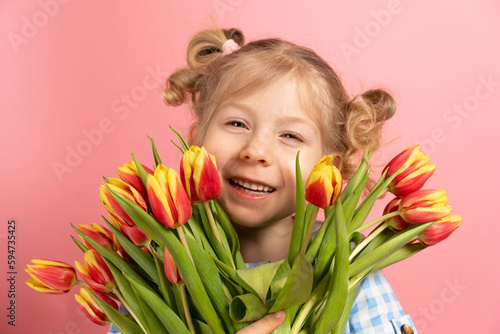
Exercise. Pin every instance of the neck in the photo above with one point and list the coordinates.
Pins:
(267, 243)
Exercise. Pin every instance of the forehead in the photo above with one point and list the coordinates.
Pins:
(287, 95)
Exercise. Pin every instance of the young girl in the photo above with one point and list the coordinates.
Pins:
(256, 106)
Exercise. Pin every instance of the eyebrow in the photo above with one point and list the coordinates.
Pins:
(285, 118)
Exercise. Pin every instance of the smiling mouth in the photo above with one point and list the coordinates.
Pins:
(251, 188)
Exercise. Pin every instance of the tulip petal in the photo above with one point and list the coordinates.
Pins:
(440, 230)
(160, 204)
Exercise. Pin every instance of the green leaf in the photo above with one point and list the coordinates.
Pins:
(211, 280)
(357, 177)
(80, 244)
(339, 328)
(247, 307)
(232, 275)
(167, 317)
(279, 280)
(298, 221)
(155, 152)
(337, 291)
(260, 277)
(377, 241)
(399, 255)
(201, 327)
(165, 286)
(142, 172)
(383, 251)
(184, 144)
(317, 241)
(219, 249)
(125, 324)
(144, 260)
(128, 294)
(154, 324)
(298, 286)
(352, 201)
(327, 249)
(231, 234)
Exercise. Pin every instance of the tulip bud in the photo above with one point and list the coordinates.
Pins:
(98, 233)
(199, 175)
(395, 223)
(96, 273)
(324, 184)
(171, 270)
(52, 277)
(169, 201)
(134, 233)
(440, 230)
(91, 309)
(129, 174)
(416, 171)
(424, 206)
(113, 207)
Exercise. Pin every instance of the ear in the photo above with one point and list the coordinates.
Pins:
(193, 133)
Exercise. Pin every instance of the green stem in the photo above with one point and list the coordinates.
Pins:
(182, 239)
(125, 304)
(369, 238)
(212, 221)
(189, 320)
(309, 231)
(82, 283)
(319, 293)
(377, 220)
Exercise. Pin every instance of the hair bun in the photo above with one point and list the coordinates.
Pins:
(381, 102)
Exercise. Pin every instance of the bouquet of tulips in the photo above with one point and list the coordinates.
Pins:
(170, 256)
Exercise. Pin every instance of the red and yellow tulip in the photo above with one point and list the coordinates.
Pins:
(169, 202)
(53, 277)
(199, 175)
(134, 233)
(416, 171)
(100, 234)
(324, 184)
(395, 223)
(91, 309)
(113, 207)
(129, 174)
(440, 230)
(95, 272)
(424, 206)
(171, 270)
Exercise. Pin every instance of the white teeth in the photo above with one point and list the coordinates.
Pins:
(254, 187)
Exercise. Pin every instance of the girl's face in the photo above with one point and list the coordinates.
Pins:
(255, 141)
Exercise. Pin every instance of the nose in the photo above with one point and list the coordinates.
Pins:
(258, 149)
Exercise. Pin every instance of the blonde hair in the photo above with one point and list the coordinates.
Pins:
(350, 124)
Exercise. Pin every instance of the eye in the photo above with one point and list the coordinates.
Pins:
(292, 136)
(237, 124)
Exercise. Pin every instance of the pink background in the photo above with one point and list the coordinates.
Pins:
(80, 91)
